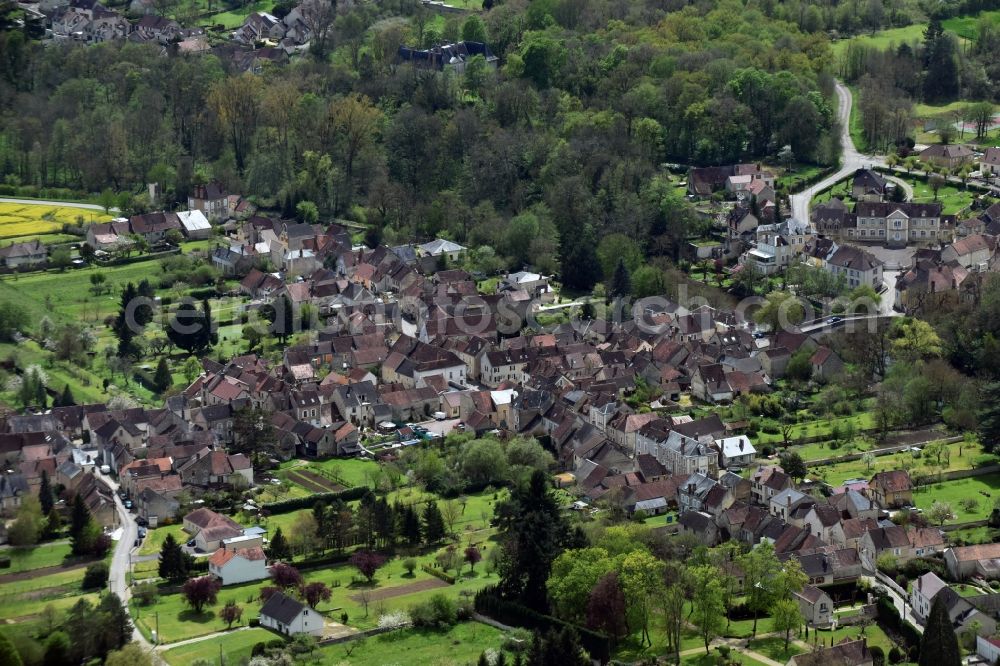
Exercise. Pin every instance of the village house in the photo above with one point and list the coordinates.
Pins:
(989, 164)
(452, 57)
(209, 529)
(290, 616)
(972, 252)
(766, 482)
(857, 267)
(211, 199)
(868, 185)
(964, 562)
(815, 605)
(892, 489)
(194, 225)
(947, 155)
(736, 451)
(238, 565)
(734, 178)
(17, 255)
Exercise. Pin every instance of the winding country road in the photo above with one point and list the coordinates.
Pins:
(851, 160)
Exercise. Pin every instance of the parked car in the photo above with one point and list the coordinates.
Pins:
(128, 504)
(190, 543)
(141, 522)
(142, 532)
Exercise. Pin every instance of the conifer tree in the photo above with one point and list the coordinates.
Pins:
(939, 645)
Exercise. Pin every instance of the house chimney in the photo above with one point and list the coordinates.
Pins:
(789, 500)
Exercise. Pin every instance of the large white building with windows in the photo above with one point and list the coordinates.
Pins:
(895, 224)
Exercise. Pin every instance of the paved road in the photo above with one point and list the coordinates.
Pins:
(68, 204)
(902, 605)
(851, 160)
(120, 561)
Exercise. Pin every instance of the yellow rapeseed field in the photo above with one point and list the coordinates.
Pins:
(25, 220)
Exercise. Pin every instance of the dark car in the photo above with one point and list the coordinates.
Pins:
(190, 543)
(141, 522)
(834, 320)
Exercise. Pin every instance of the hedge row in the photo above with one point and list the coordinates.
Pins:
(437, 573)
(890, 616)
(33, 192)
(800, 184)
(296, 503)
(488, 602)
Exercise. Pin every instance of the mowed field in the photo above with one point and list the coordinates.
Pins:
(17, 220)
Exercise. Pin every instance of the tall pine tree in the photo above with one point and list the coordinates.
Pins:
(278, 549)
(409, 528)
(989, 417)
(433, 523)
(82, 530)
(162, 379)
(175, 564)
(45, 496)
(939, 644)
(621, 281)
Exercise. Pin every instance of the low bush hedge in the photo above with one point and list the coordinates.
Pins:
(438, 573)
(296, 503)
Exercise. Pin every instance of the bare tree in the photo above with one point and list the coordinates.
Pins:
(451, 511)
(319, 15)
(365, 597)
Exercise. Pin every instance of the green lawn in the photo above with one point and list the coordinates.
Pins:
(177, 621)
(820, 427)
(65, 581)
(967, 590)
(155, 537)
(953, 492)
(351, 472)
(875, 635)
(234, 18)
(37, 557)
(884, 39)
(967, 27)
(774, 647)
(951, 197)
(920, 466)
(460, 645)
(235, 646)
(797, 175)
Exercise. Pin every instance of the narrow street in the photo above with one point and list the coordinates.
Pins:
(121, 560)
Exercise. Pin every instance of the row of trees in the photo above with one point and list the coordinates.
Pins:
(85, 632)
(374, 524)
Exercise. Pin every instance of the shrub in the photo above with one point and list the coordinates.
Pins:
(438, 612)
(96, 576)
(146, 593)
(393, 620)
(517, 640)
(984, 460)
(878, 655)
(895, 655)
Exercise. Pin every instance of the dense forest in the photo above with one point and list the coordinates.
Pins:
(565, 142)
